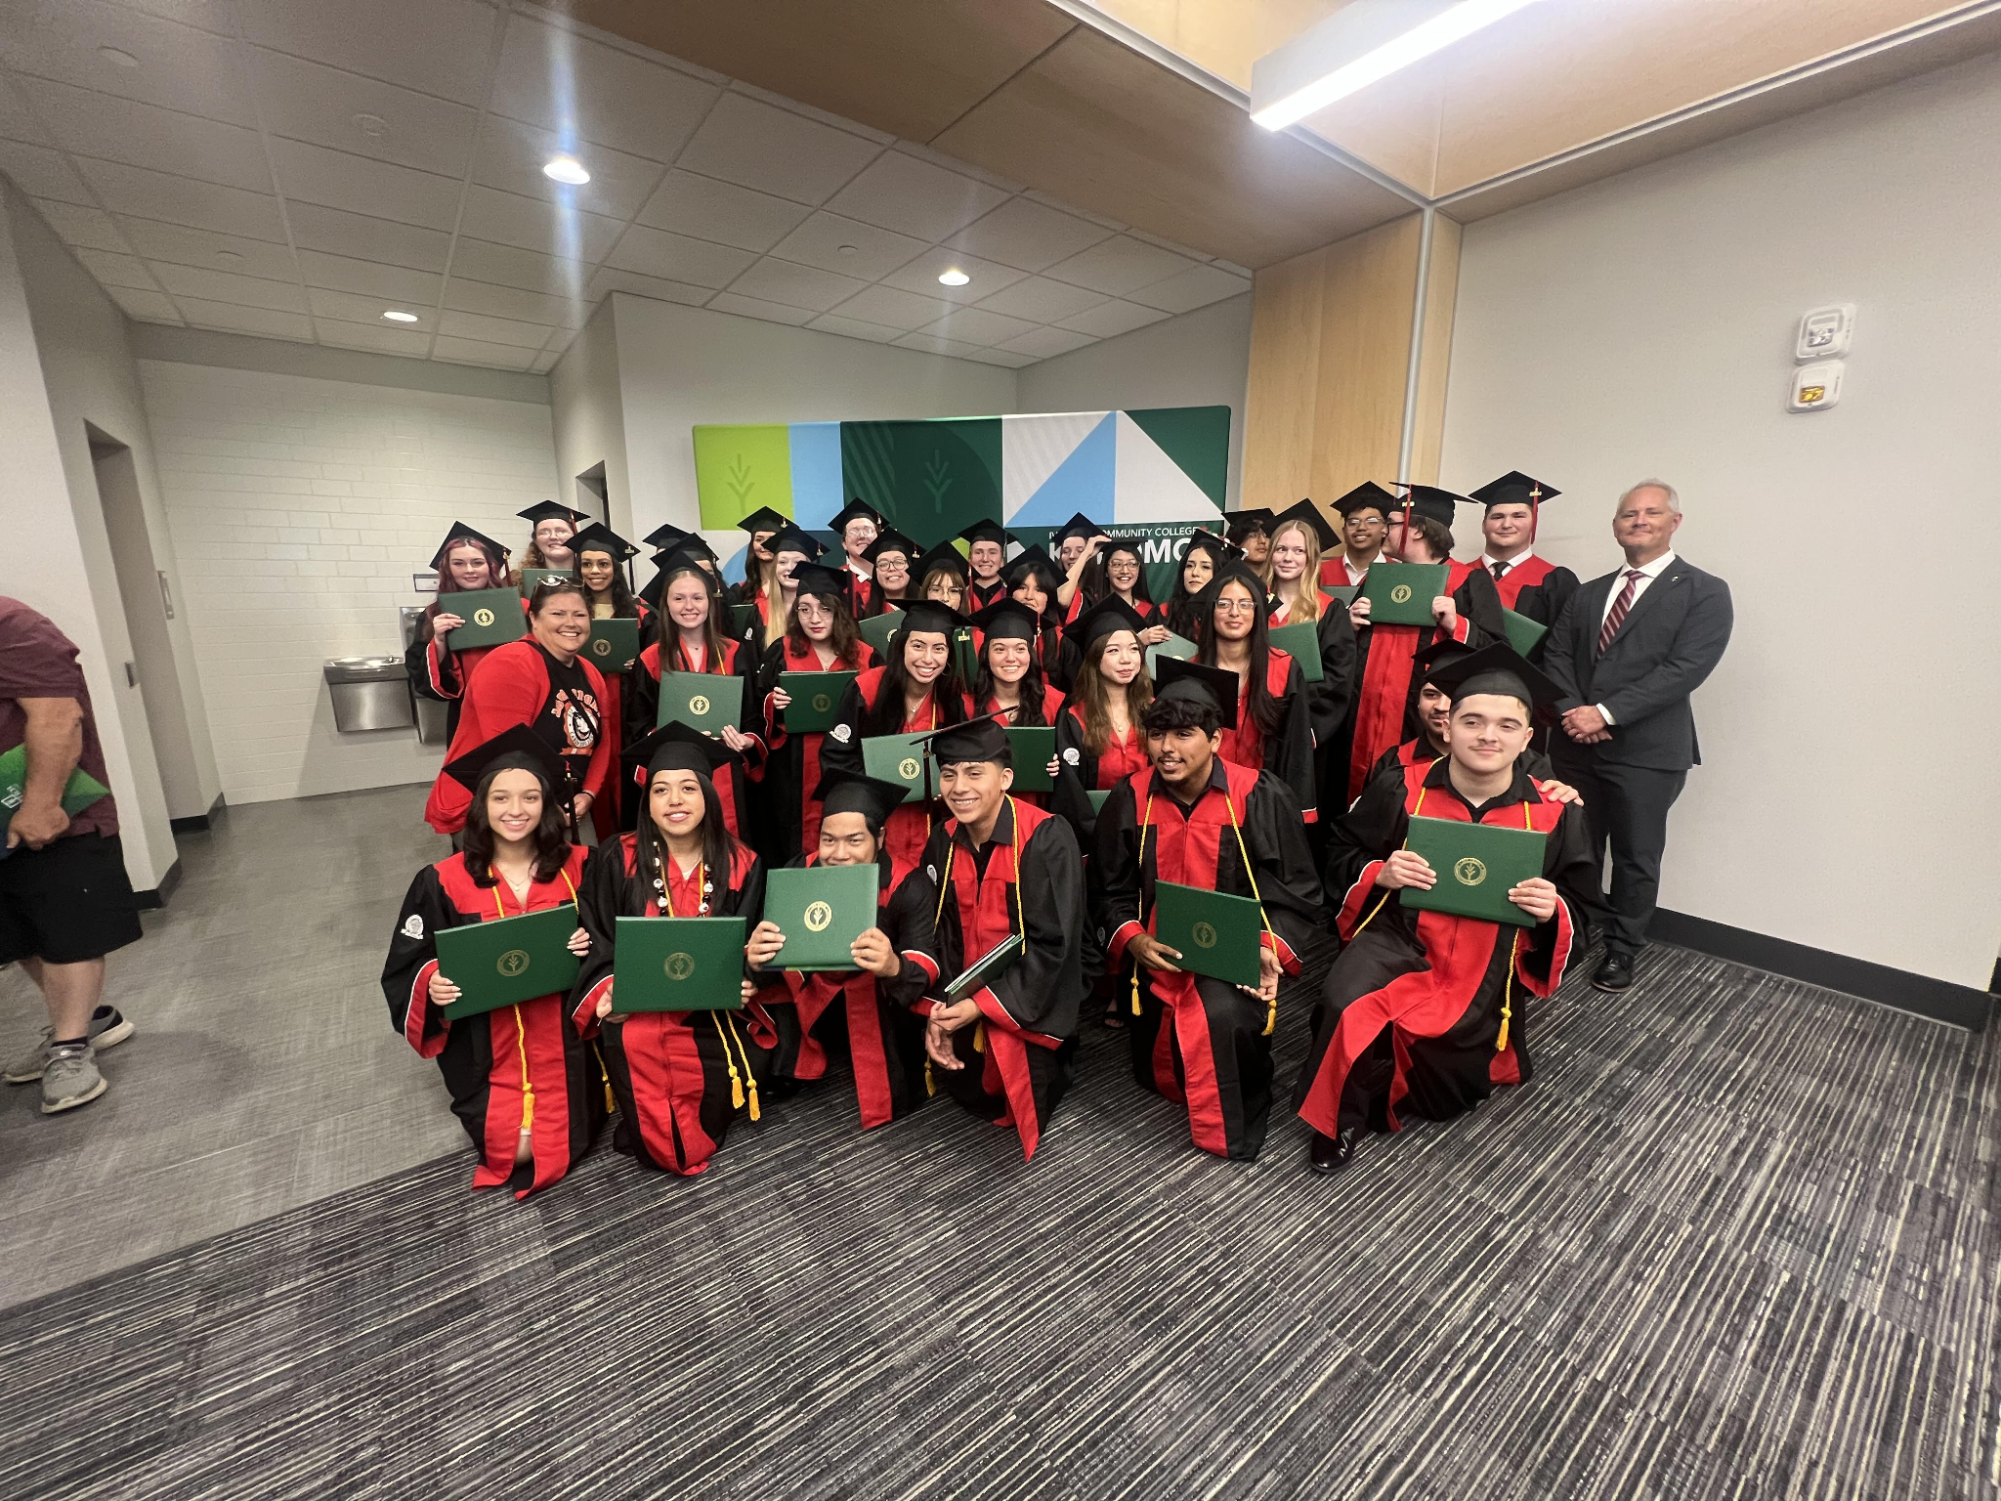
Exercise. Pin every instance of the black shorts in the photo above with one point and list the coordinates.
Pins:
(67, 901)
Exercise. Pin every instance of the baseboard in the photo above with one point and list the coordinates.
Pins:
(201, 822)
(158, 896)
(1959, 1005)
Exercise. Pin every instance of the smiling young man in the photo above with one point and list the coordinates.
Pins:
(1527, 584)
(986, 551)
(1422, 1012)
(857, 525)
(1364, 513)
(1194, 819)
(998, 866)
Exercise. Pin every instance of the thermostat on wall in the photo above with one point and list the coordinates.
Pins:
(1825, 332)
(1816, 387)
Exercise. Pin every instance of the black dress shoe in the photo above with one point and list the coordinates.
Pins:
(1615, 974)
(1330, 1154)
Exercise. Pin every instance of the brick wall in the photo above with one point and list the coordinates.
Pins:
(299, 509)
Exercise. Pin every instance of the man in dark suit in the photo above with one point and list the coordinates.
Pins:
(1627, 652)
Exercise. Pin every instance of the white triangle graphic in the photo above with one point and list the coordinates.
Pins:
(1149, 486)
(1033, 447)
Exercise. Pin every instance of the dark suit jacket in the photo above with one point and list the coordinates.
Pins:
(1671, 641)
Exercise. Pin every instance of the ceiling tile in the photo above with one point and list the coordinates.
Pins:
(1005, 357)
(182, 200)
(179, 68)
(977, 326)
(1044, 342)
(1120, 265)
(546, 361)
(610, 279)
(530, 270)
(751, 307)
(712, 210)
(357, 307)
(1028, 235)
(379, 337)
(757, 145)
(897, 191)
(1041, 300)
(365, 238)
(440, 47)
(397, 285)
(42, 172)
(590, 92)
(1109, 319)
(204, 247)
(796, 286)
(1231, 266)
(89, 228)
(511, 156)
(921, 275)
(514, 302)
(304, 101)
(493, 330)
(147, 307)
(870, 253)
(144, 135)
(898, 310)
(953, 164)
(17, 121)
(246, 320)
(114, 270)
(559, 339)
(530, 224)
(224, 286)
(655, 252)
(361, 185)
(936, 345)
(207, 15)
(1196, 287)
(856, 328)
(810, 111)
(478, 352)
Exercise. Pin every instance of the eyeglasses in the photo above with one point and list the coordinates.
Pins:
(1236, 606)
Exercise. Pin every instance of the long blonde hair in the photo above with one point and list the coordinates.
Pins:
(1307, 605)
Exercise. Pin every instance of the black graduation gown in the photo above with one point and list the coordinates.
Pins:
(520, 1065)
(1287, 752)
(679, 1077)
(1418, 749)
(1198, 1041)
(1078, 772)
(1328, 701)
(732, 782)
(1423, 1012)
(979, 595)
(785, 817)
(1018, 1055)
(1537, 588)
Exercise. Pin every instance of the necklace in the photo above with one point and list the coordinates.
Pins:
(667, 900)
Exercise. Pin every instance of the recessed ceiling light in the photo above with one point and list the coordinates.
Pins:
(122, 59)
(397, 315)
(954, 278)
(846, 249)
(228, 258)
(566, 169)
(372, 126)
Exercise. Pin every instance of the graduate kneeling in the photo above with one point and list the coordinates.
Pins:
(679, 1077)
(528, 1091)
(998, 866)
(1421, 1012)
(1194, 819)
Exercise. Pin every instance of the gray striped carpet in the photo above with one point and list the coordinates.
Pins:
(1738, 1239)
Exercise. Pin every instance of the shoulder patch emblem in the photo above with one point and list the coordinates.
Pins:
(413, 926)
(1070, 755)
(931, 871)
(842, 733)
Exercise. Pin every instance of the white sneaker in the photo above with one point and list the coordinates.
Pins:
(107, 1030)
(70, 1078)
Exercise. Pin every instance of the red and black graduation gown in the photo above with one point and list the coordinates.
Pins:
(791, 822)
(521, 1066)
(521, 683)
(437, 671)
(1334, 573)
(861, 593)
(1288, 752)
(1078, 771)
(909, 825)
(979, 595)
(803, 1018)
(1029, 879)
(1328, 701)
(1419, 751)
(731, 782)
(1423, 1012)
(1385, 711)
(1534, 587)
(608, 812)
(1200, 1042)
(679, 1077)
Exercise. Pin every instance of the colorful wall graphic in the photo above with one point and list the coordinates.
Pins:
(1151, 474)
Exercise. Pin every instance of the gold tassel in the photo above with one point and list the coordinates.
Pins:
(610, 1099)
(1136, 1010)
(1508, 994)
(1271, 1016)
(930, 1084)
(729, 1060)
(749, 1073)
(980, 1037)
(528, 1109)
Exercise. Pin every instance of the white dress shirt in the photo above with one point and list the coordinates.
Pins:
(1648, 573)
(1349, 568)
(1488, 560)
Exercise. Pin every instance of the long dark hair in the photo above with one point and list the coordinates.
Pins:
(1265, 711)
(1032, 688)
(1092, 691)
(948, 692)
(718, 845)
(714, 649)
(844, 638)
(622, 603)
(1096, 579)
(1183, 608)
(551, 837)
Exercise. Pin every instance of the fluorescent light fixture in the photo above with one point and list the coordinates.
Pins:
(397, 315)
(1359, 44)
(566, 169)
(954, 278)
(118, 57)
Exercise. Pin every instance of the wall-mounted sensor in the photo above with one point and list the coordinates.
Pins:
(1825, 332)
(1816, 387)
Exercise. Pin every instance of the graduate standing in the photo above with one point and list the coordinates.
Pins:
(890, 556)
(601, 556)
(1527, 584)
(1272, 726)
(1032, 581)
(552, 527)
(1099, 741)
(527, 1090)
(1201, 560)
(986, 550)
(857, 525)
(760, 526)
(1365, 512)
(1298, 539)
(467, 561)
(942, 576)
(1195, 819)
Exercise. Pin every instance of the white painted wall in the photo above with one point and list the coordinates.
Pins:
(589, 415)
(1201, 358)
(300, 507)
(1644, 325)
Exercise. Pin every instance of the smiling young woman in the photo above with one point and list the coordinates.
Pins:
(466, 561)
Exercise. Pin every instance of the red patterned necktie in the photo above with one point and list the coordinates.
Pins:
(1619, 608)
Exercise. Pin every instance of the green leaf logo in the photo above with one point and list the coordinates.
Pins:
(937, 480)
(740, 482)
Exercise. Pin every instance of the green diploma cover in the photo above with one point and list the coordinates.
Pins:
(614, 645)
(704, 701)
(984, 970)
(493, 617)
(1033, 750)
(1217, 935)
(821, 911)
(877, 629)
(1524, 634)
(510, 959)
(678, 964)
(1178, 647)
(1401, 593)
(1476, 865)
(532, 577)
(1302, 643)
(815, 696)
(898, 758)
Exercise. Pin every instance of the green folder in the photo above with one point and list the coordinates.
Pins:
(821, 911)
(815, 697)
(507, 960)
(1401, 593)
(877, 629)
(1098, 799)
(1217, 935)
(743, 620)
(1033, 749)
(899, 758)
(1344, 594)
(1178, 647)
(614, 645)
(79, 792)
(493, 617)
(704, 701)
(1524, 634)
(678, 964)
(1302, 641)
(984, 970)
(530, 577)
(1476, 864)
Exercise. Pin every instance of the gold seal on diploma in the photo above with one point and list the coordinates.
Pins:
(1400, 595)
(1204, 935)
(680, 966)
(698, 704)
(482, 616)
(822, 702)
(908, 768)
(818, 915)
(602, 646)
(513, 962)
(1469, 872)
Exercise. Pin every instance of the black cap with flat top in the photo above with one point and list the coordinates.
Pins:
(1212, 544)
(1007, 619)
(516, 748)
(549, 510)
(818, 579)
(985, 531)
(931, 615)
(1440, 654)
(1079, 525)
(678, 747)
(1429, 500)
(791, 539)
(1515, 488)
(597, 537)
(665, 535)
(1308, 515)
(1241, 524)
(1496, 668)
(982, 739)
(1191, 681)
(851, 792)
(764, 519)
(891, 540)
(1034, 560)
(1106, 616)
(854, 510)
(460, 532)
(944, 555)
(1367, 496)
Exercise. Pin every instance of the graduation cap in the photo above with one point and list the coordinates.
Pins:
(460, 532)
(1517, 489)
(851, 792)
(1439, 654)
(665, 536)
(597, 537)
(1308, 514)
(1429, 500)
(791, 539)
(517, 748)
(1106, 616)
(548, 510)
(1496, 668)
(1008, 619)
(891, 540)
(854, 510)
(985, 531)
(1210, 543)
(1367, 496)
(1242, 523)
(1079, 525)
(817, 578)
(981, 739)
(764, 519)
(685, 557)
(930, 615)
(676, 747)
(1035, 561)
(1191, 682)
(944, 555)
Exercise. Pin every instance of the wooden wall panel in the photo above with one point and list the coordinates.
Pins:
(1281, 400)
(1434, 360)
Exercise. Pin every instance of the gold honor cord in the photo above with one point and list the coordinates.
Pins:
(1020, 925)
(520, 1026)
(737, 1081)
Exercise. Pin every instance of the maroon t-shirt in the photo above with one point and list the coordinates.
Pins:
(39, 661)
